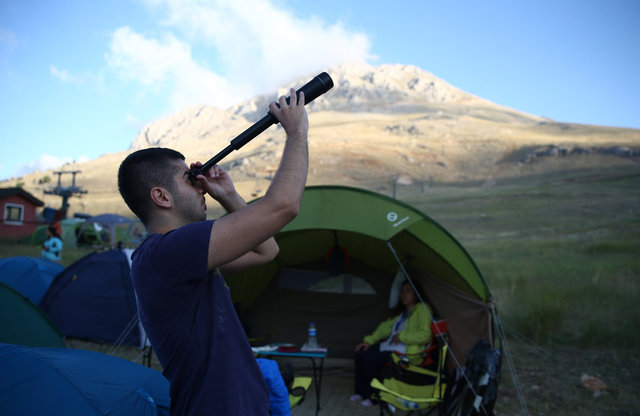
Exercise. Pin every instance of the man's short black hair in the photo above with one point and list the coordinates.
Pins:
(141, 171)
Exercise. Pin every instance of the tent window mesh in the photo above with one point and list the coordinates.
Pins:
(322, 281)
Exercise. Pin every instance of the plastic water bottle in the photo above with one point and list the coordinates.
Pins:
(313, 339)
(408, 404)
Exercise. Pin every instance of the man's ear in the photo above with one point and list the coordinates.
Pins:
(161, 197)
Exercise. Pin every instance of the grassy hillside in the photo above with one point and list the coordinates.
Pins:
(559, 251)
(560, 254)
(454, 144)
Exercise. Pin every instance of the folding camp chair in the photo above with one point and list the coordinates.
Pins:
(299, 389)
(416, 389)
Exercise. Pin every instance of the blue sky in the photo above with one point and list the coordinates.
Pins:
(80, 78)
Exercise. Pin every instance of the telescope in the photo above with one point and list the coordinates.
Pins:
(320, 84)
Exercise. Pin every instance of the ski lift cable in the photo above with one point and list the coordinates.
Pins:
(512, 367)
(452, 354)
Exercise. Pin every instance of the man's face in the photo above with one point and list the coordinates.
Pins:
(188, 198)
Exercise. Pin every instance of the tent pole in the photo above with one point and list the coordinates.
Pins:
(455, 359)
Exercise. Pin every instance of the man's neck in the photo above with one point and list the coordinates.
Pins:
(163, 226)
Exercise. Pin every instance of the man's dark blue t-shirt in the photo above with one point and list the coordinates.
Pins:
(189, 317)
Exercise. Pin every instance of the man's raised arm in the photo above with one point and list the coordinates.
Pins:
(246, 228)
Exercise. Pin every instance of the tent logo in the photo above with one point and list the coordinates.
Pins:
(393, 217)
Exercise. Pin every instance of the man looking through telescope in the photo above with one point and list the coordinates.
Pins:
(183, 302)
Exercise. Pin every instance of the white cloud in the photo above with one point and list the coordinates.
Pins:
(86, 78)
(166, 64)
(47, 162)
(258, 47)
(148, 61)
(258, 41)
(62, 75)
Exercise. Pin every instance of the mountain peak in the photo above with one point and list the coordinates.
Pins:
(358, 88)
(197, 122)
(364, 88)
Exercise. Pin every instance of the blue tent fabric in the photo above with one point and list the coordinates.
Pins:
(279, 404)
(30, 276)
(93, 299)
(58, 381)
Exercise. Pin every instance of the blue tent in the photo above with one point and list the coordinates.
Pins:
(58, 381)
(30, 276)
(93, 299)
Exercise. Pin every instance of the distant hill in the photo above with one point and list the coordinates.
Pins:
(377, 125)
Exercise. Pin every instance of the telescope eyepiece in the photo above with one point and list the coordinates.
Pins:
(320, 84)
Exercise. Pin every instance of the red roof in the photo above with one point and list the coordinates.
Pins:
(7, 192)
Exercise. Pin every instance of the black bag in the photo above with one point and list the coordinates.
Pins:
(481, 374)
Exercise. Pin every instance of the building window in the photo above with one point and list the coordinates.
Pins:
(13, 214)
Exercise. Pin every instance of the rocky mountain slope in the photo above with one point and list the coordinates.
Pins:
(376, 126)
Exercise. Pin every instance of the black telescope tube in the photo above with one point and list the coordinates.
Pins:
(320, 84)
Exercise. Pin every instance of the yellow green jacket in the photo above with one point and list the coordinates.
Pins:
(416, 333)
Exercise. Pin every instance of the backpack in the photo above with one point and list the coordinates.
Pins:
(482, 373)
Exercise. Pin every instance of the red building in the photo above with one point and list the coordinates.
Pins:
(18, 208)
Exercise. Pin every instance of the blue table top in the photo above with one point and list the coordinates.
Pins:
(267, 350)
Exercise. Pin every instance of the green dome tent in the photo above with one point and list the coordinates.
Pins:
(69, 227)
(21, 322)
(108, 230)
(336, 267)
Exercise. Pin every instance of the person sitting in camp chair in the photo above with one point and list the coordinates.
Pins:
(417, 389)
(408, 333)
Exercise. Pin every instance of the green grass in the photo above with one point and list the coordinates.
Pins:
(558, 291)
(559, 253)
(12, 248)
(560, 256)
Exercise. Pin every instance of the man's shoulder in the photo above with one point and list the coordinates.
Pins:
(145, 245)
(144, 252)
(186, 229)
